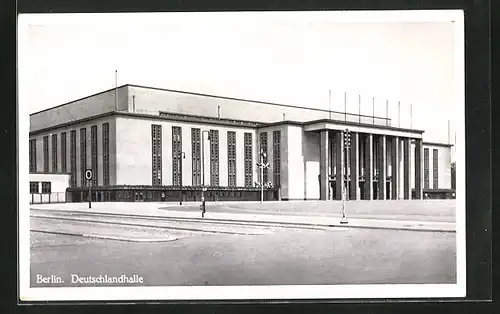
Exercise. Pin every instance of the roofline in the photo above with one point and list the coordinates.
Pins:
(204, 95)
(156, 117)
(385, 127)
(249, 100)
(73, 101)
(212, 121)
(51, 173)
(207, 118)
(438, 144)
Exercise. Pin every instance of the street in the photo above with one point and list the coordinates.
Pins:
(170, 251)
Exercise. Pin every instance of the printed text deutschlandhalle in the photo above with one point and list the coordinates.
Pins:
(105, 279)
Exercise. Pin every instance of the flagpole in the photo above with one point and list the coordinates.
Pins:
(387, 112)
(330, 104)
(116, 90)
(345, 106)
(359, 107)
(373, 110)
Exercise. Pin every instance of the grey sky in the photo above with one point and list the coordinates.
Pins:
(286, 58)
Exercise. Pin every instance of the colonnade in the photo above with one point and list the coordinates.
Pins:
(378, 166)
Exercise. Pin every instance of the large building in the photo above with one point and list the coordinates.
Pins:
(150, 144)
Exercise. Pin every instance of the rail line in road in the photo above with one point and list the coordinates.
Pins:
(112, 217)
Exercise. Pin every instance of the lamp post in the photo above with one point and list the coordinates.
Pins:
(345, 192)
(262, 165)
(182, 155)
(203, 188)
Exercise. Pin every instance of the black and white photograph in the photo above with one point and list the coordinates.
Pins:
(241, 155)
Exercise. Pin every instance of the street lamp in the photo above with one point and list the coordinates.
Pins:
(345, 191)
(262, 165)
(203, 188)
(182, 155)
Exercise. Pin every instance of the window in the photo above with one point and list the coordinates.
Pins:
(64, 165)
(83, 155)
(105, 154)
(72, 159)
(214, 157)
(263, 148)
(426, 168)
(248, 160)
(176, 155)
(54, 152)
(277, 158)
(45, 154)
(435, 169)
(196, 158)
(156, 154)
(231, 157)
(93, 155)
(32, 155)
(46, 188)
(34, 187)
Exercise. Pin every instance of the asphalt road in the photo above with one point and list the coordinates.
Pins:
(283, 257)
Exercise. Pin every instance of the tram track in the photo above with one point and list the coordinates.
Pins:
(71, 215)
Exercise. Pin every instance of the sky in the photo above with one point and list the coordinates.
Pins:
(289, 58)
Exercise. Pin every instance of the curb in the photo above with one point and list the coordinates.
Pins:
(96, 236)
(405, 228)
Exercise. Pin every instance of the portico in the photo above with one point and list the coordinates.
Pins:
(376, 166)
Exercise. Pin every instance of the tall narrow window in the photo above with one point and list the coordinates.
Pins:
(214, 157)
(83, 155)
(64, 156)
(196, 158)
(34, 187)
(45, 154)
(176, 155)
(156, 154)
(248, 160)
(426, 168)
(33, 155)
(435, 172)
(277, 158)
(105, 154)
(54, 152)
(46, 187)
(93, 154)
(263, 148)
(72, 158)
(231, 157)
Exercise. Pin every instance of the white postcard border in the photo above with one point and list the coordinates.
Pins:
(26, 293)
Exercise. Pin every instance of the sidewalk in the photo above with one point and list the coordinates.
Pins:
(153, 210)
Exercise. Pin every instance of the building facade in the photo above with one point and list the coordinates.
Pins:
(145, 144)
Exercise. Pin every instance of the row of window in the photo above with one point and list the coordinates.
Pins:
(276, 156)
(435, 172)
(35, 187)
(72, 154)
(196, 144)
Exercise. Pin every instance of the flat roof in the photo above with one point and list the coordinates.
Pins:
(438, 144)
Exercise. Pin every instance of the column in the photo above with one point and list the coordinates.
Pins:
(406, 169)
(395, 168)
(369, 167)
(419, 169)
(323, 167)
(354, 167)
(381, 165)
(339, 164)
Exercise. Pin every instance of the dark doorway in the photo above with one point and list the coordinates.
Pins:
(333, 185)
(362, 190)
(388, 190)
(375, 190)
